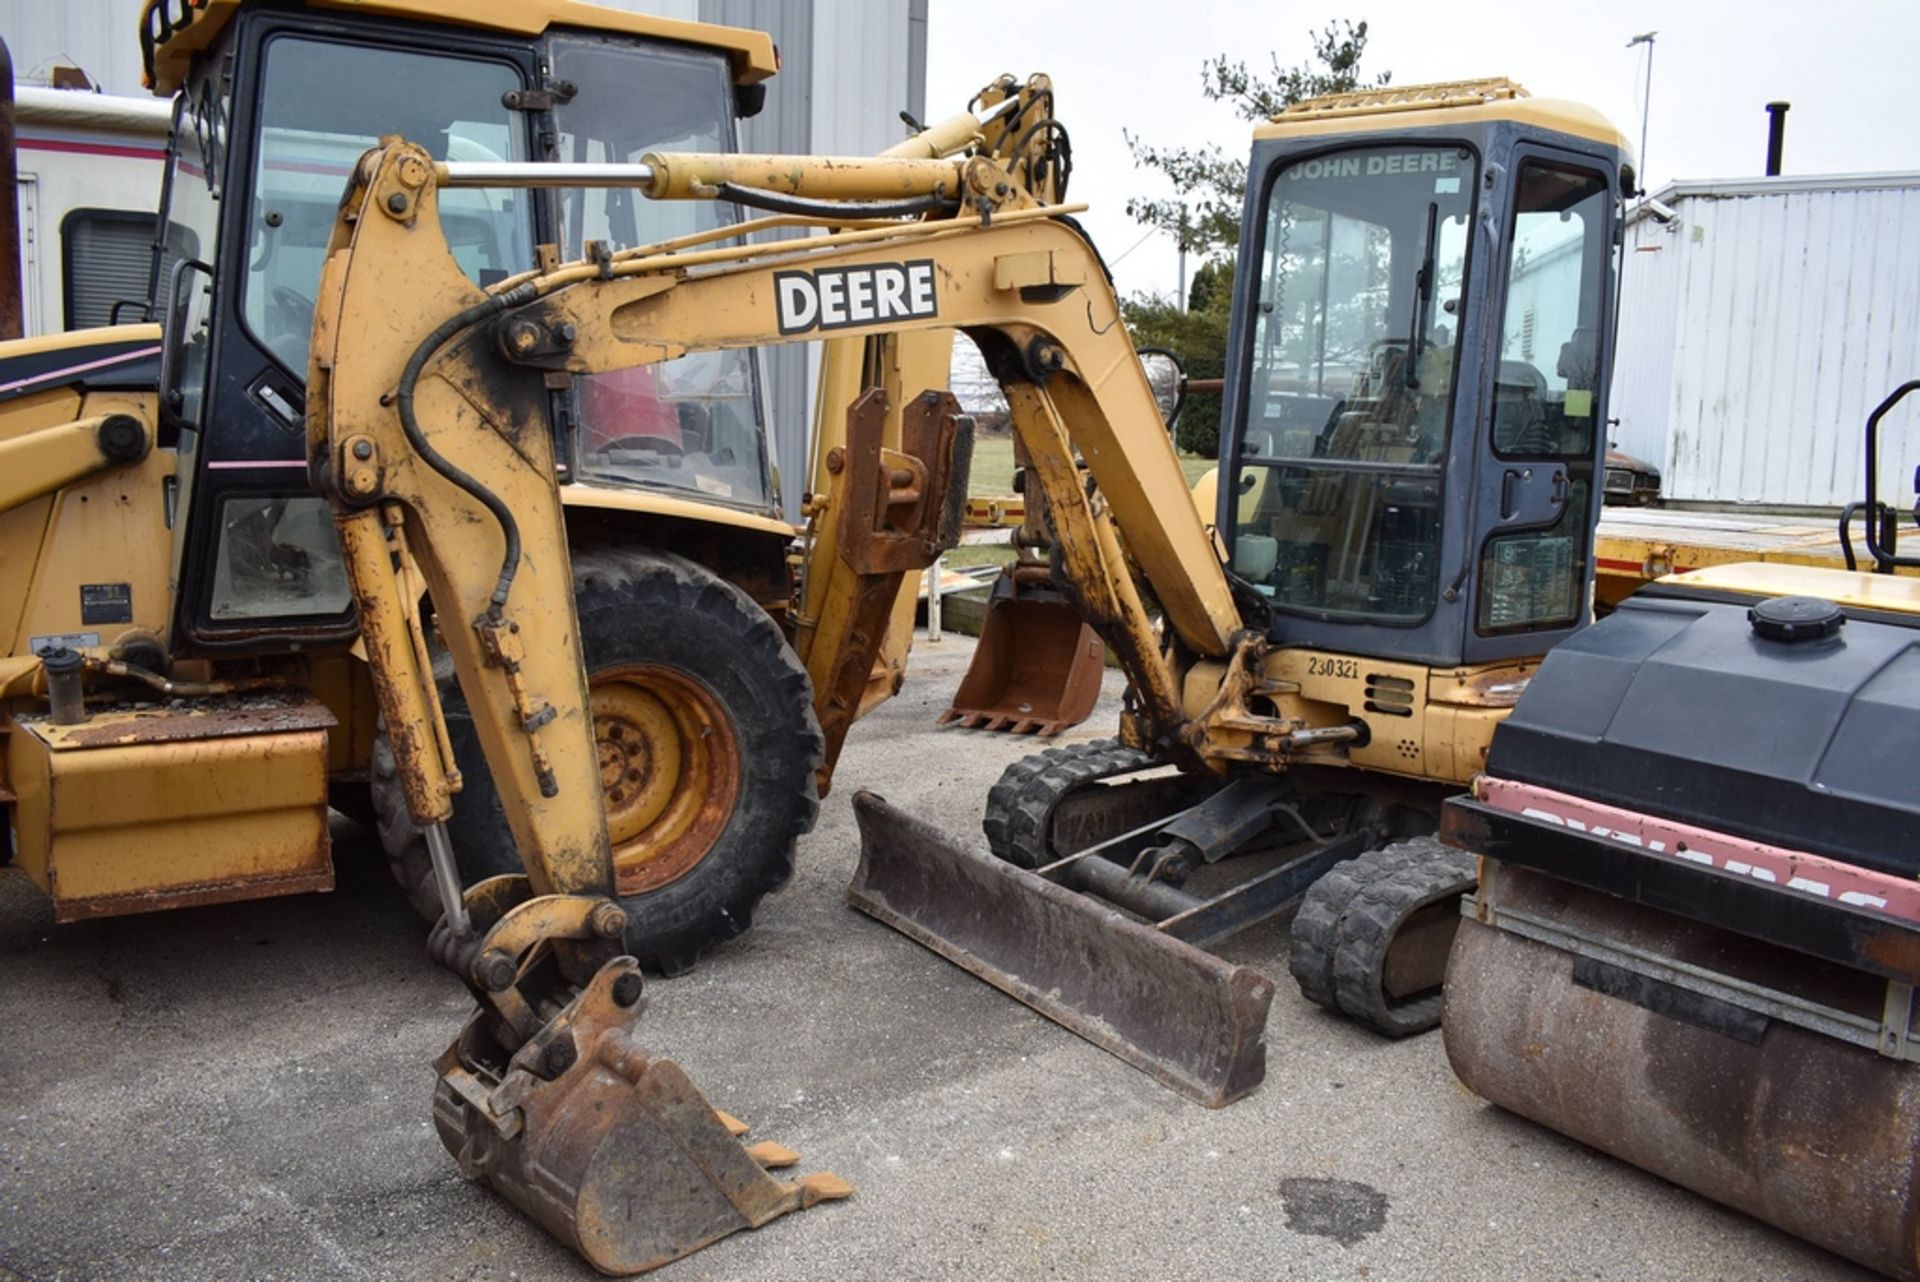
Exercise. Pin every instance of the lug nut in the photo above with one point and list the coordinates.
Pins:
(397, 202)
(363, 450)
(560, 1056)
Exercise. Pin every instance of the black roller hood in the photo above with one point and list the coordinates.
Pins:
(1677, 708)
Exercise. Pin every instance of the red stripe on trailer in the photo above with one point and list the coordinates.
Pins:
(1795, 870)
(92, 148)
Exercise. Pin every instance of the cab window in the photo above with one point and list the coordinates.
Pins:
(1350, 394)
(1546, 389)
(696, 424)
(324, 103)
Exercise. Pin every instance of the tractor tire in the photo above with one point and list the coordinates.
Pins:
(708, 746)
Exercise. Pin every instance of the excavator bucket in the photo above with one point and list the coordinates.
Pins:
(1036, 670)
(1195, 1022)
(614, 1152)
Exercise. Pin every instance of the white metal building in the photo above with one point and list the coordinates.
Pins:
(848, 69)
(1758, 329)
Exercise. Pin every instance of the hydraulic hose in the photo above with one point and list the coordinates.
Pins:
(846, 209)
(429, 347)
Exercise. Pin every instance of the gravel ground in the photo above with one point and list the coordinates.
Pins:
(241, 1093)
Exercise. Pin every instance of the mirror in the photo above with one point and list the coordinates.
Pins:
(1168, 379)
(977, 390)
(185, 342)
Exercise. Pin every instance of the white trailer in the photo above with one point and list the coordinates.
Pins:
(89, 183)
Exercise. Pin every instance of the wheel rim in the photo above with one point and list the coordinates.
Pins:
(669, 771)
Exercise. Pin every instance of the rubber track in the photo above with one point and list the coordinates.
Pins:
(1021, 803)
(1372, 919)
(1316, 925)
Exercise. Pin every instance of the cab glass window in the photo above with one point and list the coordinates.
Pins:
(696, 424)
(325, 103)
(1350, 394)
(1546, 388)
(279, 557)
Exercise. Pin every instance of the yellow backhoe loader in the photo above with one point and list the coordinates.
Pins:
(194, 554)
(1403, 527)
(426, 435)
(148, 767)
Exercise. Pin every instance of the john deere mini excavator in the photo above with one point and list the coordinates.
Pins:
(1415, 389)
(1696, 937)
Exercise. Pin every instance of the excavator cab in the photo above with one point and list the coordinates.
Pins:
(1417, 376)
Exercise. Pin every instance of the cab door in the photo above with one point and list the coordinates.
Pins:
(260, 567)
(1541, 438)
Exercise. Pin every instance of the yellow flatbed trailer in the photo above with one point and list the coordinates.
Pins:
(1635, 545)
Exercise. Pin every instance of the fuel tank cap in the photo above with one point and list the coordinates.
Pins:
(1796, 618)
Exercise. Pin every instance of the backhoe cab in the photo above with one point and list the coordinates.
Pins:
(1407, 494)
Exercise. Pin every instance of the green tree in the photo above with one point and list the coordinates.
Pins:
(1210, 185)
(1198, 335)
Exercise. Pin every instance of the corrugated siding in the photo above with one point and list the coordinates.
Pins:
(860, 52)
(101, 37)
(784, 126)
(1643, 362)
(1794, 314)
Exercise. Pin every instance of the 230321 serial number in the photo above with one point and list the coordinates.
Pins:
(1321, 667)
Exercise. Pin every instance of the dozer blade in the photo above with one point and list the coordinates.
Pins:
(1036, 670)
(1725, 1095)
(612, 1151)
(1193, 1021)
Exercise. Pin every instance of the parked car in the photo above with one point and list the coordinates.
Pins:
(1630, 480)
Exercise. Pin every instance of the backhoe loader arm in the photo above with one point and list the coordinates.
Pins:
(428, 431)
(1022, 282)
(546, 1094)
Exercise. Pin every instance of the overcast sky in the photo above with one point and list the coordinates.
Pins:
(1135, 65)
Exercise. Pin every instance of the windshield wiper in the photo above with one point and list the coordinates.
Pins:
(1422, 297)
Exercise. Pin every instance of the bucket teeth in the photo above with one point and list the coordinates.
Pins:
(773, 1156)
(823, 1186)
(618, 1154)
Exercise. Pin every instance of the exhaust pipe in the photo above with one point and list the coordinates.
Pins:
(1776, 135)
(12, 304)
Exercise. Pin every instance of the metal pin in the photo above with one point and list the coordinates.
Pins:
(446, 879)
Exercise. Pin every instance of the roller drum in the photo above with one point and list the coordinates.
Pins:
(1810, 1134)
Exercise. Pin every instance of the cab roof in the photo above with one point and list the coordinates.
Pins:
(1452, 102)
(172, 31)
